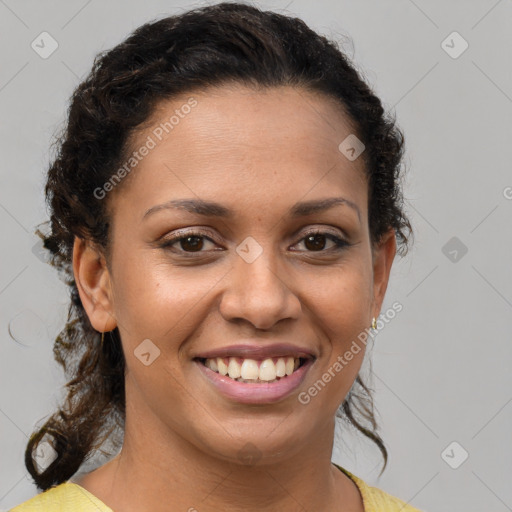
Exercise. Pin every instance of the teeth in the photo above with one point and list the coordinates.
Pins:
(234, 370)
(249, 369)
(253, 371)
(289, 365)
(267, 370)
(212, 364)
(280, 367)
(222, 366)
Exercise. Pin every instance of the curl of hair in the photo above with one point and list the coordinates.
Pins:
(226, 43)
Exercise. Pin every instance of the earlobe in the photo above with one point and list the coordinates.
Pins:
(94, 286)
(383, 258)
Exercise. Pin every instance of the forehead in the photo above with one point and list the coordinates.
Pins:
(240, 114)
(213, 142)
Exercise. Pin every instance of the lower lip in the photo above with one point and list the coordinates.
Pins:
(248, 393)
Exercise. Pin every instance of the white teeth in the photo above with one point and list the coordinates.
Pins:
(222, 366)
(249, 369)
(234, 369)
(212, 364)
(253, 371)
(280, 367)
(289, 365)
(267, 370)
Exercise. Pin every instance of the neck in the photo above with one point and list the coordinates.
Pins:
(158, 470)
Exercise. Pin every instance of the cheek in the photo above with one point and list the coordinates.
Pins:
(163, 291)
(158, 309)
(341, 306)
(155, 300)
(341, 301)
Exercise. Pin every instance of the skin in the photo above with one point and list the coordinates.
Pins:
(257, 153)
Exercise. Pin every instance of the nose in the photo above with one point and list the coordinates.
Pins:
(259, 293)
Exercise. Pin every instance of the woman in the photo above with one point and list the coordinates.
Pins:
(226, 204)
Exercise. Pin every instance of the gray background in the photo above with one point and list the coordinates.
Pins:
(442, 366)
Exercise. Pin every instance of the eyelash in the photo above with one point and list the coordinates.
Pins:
(340, 243)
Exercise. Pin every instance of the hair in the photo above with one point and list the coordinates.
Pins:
(226, 43)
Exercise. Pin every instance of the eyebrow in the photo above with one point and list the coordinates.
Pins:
(212, 209)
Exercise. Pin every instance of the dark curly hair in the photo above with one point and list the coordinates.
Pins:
(209, 46)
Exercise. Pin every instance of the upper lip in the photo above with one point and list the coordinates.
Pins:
(258, 351)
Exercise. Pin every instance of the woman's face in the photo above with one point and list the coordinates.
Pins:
(250, 177)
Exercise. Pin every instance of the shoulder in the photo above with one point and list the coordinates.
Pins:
(377, 500)
(63, 498)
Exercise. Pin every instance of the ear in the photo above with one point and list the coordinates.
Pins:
(93, 282)
(383, 256)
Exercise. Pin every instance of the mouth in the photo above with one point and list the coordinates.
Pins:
(255, 375)
(254, 371)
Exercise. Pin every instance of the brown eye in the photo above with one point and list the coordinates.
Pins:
(191, 243)
(316, 242)
(188, 243)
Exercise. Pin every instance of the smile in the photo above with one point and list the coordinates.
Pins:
(253, 381)
(252, 370)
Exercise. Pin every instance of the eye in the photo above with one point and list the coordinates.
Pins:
(315, 241)
(193, 241)
(197, 242)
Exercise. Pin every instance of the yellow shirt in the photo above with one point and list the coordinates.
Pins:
(71, 497)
